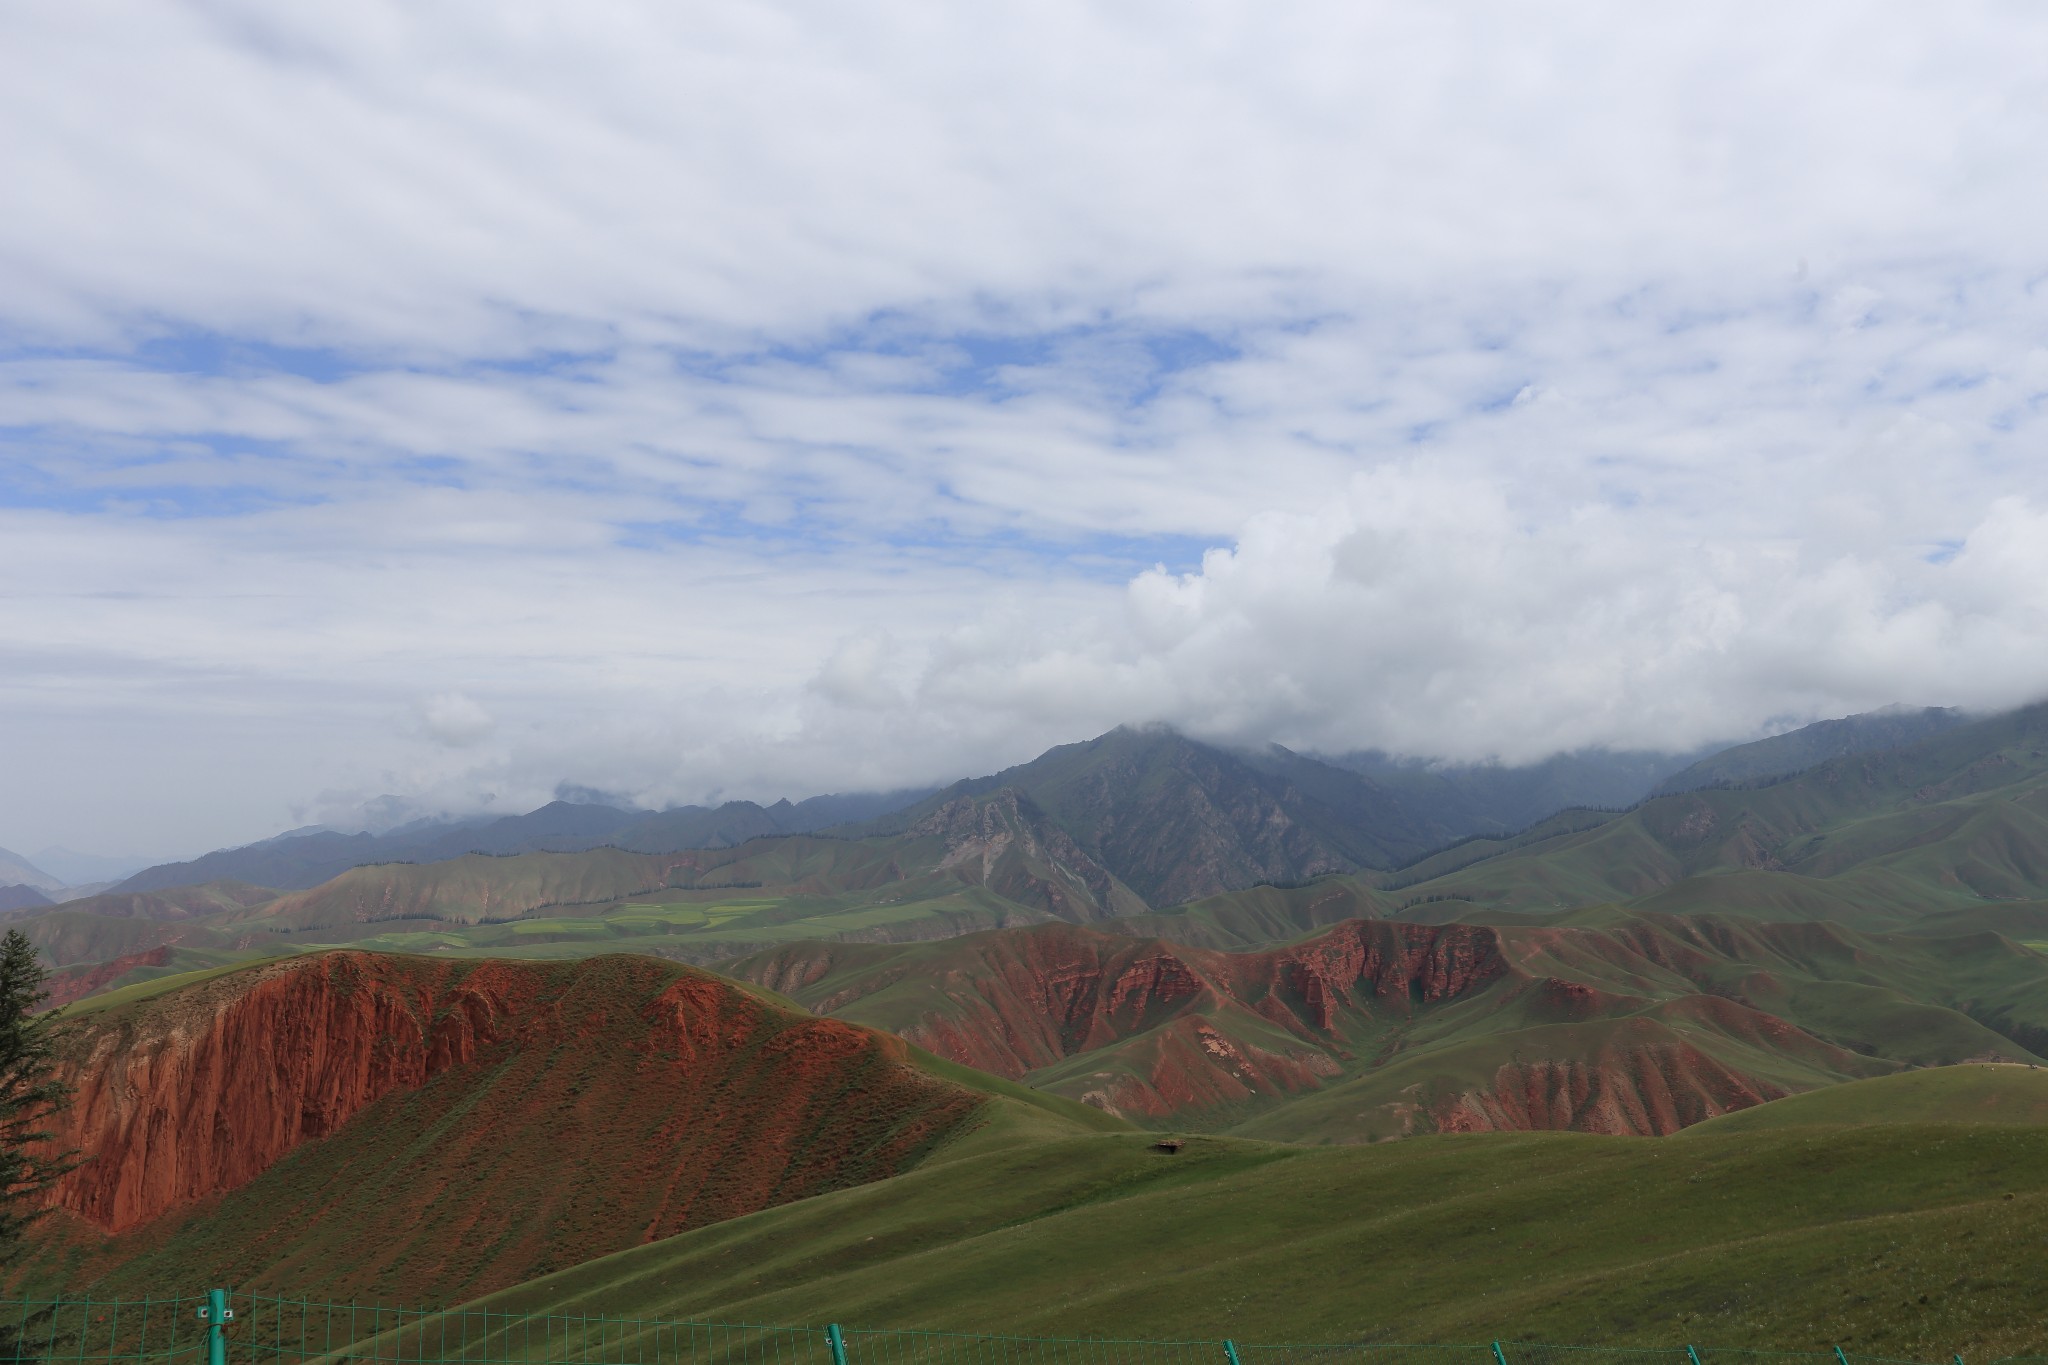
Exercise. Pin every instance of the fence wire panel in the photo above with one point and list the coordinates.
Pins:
(1535, 1353)
(1716, 1356)
(875, 1347)
(271, 1330)
(81, 1331)
(274, 1331)
(1378, 1353)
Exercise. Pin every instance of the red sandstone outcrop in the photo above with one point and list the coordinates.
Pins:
(1194, 1028)
(1643, 1082)
(1625, 1026)
(704, 1101)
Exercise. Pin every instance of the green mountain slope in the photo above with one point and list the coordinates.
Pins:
(1176, 819)
(1800, 749)
(1910, 1241)
(1875, 840)
(1993, 1093)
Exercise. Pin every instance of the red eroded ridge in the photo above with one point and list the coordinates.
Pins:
(705, 1101)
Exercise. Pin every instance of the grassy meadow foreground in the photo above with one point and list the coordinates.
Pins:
(1806, 1223)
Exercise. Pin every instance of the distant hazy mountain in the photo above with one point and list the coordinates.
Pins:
(1168, 817)
(1493, 798)
(16, 870)
(1895, 727)
(306, 858)
(19, 897)
(77, 869)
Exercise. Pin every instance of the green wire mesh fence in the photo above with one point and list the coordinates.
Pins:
(254, 1329)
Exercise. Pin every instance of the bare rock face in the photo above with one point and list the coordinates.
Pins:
(1007, 844)
(1647, 1086)
(1643, 1029)
(476, 1122)
(171, 1110)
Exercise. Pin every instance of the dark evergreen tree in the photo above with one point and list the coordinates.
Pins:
(29, 1092)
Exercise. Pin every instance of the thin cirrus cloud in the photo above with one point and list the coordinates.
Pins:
(750, 399)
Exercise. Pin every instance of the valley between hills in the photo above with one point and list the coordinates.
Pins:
(1754, 1054)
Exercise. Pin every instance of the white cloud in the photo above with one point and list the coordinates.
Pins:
(1426, 617)
(752, 399)
(457, 721)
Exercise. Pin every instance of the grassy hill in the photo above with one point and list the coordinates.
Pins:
(1798, 750)
(1983, 1093)
(1873, 839)
(1905, 1240)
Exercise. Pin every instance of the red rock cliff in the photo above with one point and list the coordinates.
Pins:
(484, 1121)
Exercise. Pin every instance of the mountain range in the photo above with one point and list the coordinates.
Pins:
(1358, 810)
(1261, 952)
(303, 858)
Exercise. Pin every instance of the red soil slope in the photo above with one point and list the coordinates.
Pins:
(1212, 1029)
(473, 1123)
(1634, 1030)
(1643, 1078)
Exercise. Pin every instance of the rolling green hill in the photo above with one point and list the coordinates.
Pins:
(1797, 750)
(1904, 1240)
(1984, 1093)
(1874, 839)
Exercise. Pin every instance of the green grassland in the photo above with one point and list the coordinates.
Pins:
(1964, 1095)
(1914, 1239)
(148, 984)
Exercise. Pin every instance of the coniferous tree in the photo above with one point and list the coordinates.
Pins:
(29, 1093)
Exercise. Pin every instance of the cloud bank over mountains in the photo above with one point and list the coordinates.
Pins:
(766, 399)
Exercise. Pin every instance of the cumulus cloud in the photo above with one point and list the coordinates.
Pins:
(752, 400)
(455, 720)
(1427, 618)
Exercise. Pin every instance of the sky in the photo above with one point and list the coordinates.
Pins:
(410, 409)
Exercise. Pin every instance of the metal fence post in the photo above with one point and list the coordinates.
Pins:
(216, 1316)
(1500, 1357)
(1691, 1354)
(1230, 1352)
(1842, 1356)
(837, 1341)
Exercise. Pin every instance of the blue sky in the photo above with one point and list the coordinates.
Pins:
(749, 401)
